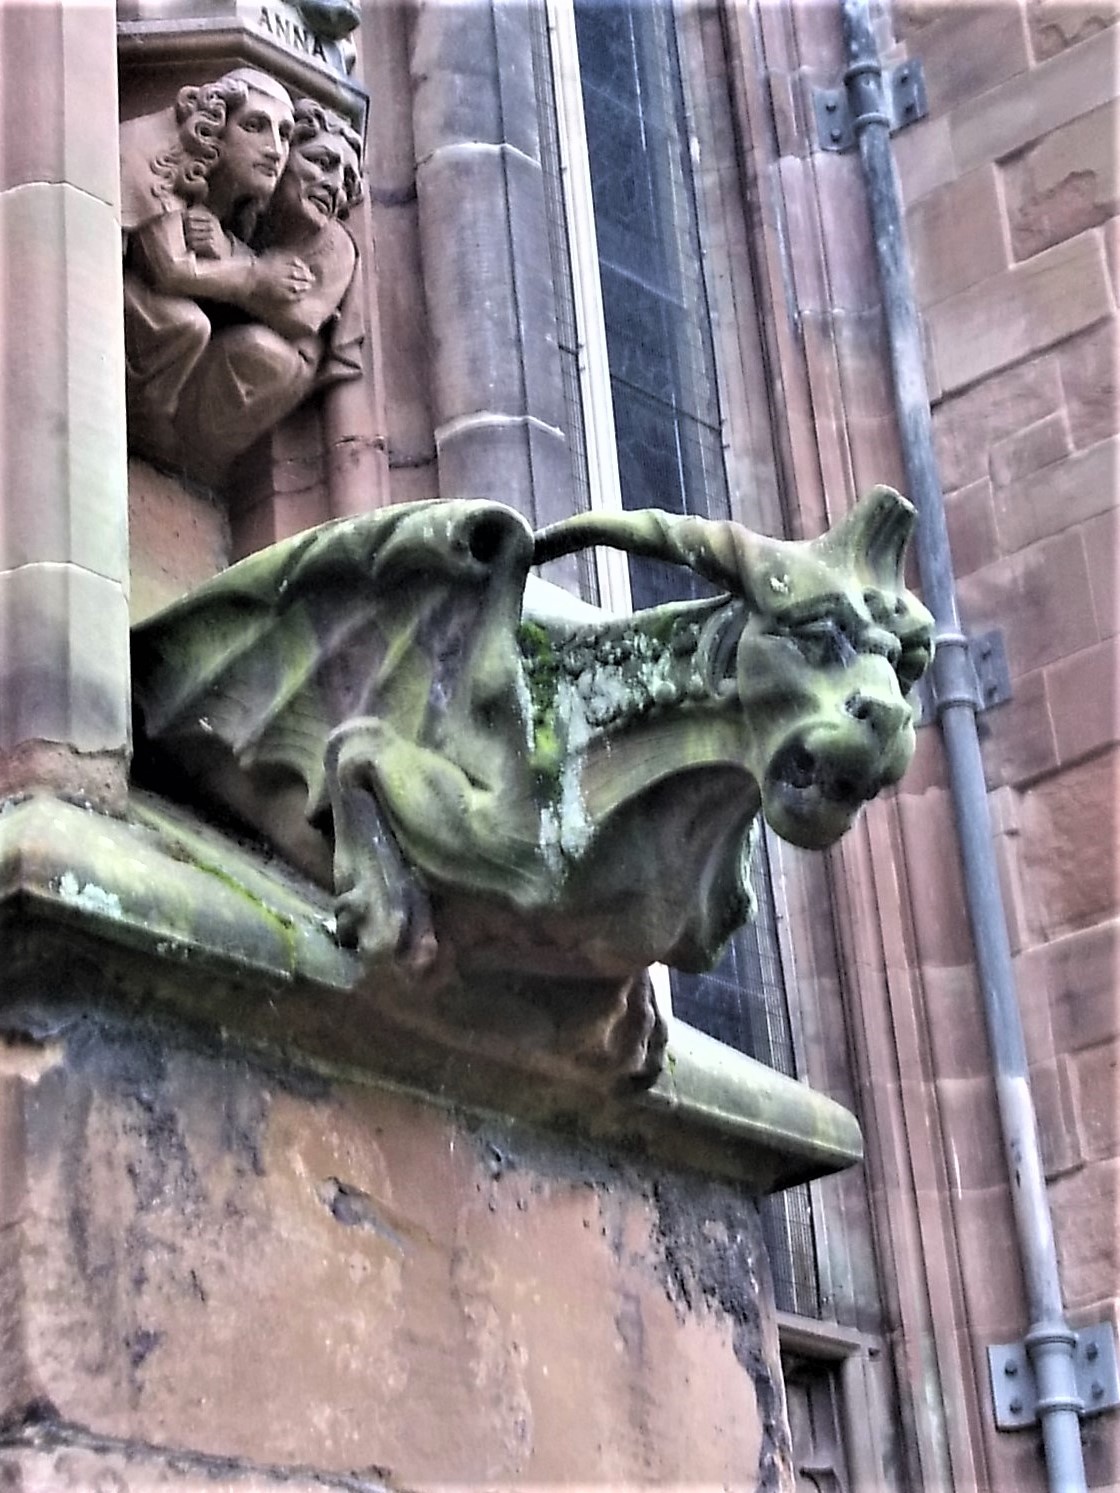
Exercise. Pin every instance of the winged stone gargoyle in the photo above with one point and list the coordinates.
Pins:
(489, 787)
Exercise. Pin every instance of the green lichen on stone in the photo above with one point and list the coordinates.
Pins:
(542, 676)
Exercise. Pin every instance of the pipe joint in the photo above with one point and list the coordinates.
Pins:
(953, 675)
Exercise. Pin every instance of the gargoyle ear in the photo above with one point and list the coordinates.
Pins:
(874, 535)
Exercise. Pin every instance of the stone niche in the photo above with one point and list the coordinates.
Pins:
(246, 313)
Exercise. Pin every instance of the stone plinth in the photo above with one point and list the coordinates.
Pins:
(244, 1233)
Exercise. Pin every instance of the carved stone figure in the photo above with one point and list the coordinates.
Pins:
(489, 789)
(238, 272)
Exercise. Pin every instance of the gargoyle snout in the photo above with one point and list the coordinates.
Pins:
(885, 717)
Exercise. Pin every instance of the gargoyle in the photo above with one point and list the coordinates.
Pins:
(490, 790)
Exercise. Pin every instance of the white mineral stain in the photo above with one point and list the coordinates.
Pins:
(90, 897)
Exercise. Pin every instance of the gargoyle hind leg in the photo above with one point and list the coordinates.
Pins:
(381, 908)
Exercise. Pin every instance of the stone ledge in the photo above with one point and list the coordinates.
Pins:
(166, 921)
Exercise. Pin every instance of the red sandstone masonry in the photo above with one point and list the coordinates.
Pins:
(1001, 120)
(1083, 977)
(1102, 545)
(1089, 365)
(1066, 182)
(1057, 24)
(1045, 588)
(1030, 449)
(1056, 497)
(1084, 694)
(972, 527)
(1019, 744)
(967, 425)
(971, 48)
(1022, 311)
(957, 235)
(1068, 852)
(1098, 1087)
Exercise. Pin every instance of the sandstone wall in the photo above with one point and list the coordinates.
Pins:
(1012, 189)
(1011, 192)
(218, 1275)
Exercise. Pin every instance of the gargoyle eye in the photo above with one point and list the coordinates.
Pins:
(912, 664)
(485, 540)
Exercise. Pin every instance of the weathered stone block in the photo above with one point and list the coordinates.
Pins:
(1057, 24)
(58, 109)
(1084, 980)
(967, 426)
(1054, 1091)
(406, 344)
(1083, 691)
(1098, 1087)
(968, 49)
(1031, 104)
(62, 441)
(101, 1468)
(1045, 590)
(1090, 371)
(1069, 841)
(64, 672)
(1102, 545)
(957, 236)
(384, 40)
(954, 1017)
(972, 527)
(319, 1279)
(1030, 449)
(970, 1121)
(1084, 1205)
(1022, 311)
(1018, 744)
(940, 916)
(1056, 497)
(985, 1229)
(472, 73)
(1068, 181)
(846, 225)
(178, 538)
(487, 277)
(924, 156)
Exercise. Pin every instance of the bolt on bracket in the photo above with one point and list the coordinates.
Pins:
(904, 87)
(1015, 1393)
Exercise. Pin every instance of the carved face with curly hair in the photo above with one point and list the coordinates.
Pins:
(234, 138)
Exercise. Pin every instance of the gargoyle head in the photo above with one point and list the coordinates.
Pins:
(816, 649)
(822, 666)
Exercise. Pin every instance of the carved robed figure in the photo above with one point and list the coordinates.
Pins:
(239, 277)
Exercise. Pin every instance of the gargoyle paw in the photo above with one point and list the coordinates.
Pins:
(401, 936)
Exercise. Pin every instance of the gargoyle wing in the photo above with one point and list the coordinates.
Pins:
(397, 628)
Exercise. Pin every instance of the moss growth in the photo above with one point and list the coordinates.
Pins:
(542, 675)
(284, 926)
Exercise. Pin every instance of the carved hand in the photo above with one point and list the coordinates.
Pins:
(204, 234)
(283, 277)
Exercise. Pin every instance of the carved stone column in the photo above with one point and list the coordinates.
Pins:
(64, 707)
(497, 392)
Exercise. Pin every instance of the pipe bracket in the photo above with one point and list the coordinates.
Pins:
(970, 671)
(839, 114)
(1015, 1397)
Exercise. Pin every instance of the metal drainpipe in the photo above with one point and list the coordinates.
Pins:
(1050, 1341)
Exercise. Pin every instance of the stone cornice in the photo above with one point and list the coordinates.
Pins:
(189, 928)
